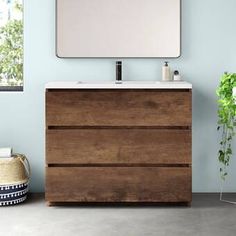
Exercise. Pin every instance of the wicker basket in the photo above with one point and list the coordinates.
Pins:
(14, 179)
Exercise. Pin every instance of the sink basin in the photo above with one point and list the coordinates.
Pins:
(123, 85)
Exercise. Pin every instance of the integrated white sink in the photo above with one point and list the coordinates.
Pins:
(123, 85)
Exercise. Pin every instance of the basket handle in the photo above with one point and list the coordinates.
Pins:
(25, 162)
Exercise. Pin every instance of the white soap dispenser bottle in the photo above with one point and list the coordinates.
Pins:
(166, 74)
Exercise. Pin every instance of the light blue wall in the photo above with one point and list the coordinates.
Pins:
(208, 49)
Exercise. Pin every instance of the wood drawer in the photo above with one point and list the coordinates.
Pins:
(118, 184)
(118, 146)
(118, 107)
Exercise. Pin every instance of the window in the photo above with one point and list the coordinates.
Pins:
(11, 45)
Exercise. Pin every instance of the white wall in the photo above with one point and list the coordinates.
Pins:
(208, 49)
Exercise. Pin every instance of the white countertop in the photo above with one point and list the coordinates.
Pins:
(123, 85)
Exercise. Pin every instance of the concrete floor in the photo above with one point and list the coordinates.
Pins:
(207, 216)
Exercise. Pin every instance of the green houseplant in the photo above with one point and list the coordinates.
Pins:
(11, 51)
(226, 121)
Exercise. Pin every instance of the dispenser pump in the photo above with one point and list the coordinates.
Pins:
(166, 74)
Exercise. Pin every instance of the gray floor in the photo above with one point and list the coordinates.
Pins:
(207, 216)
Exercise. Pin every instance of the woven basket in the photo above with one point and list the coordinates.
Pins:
(14, 179)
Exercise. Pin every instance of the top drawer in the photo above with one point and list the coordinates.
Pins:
(118, 107)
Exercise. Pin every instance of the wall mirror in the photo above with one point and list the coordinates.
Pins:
(118, 28)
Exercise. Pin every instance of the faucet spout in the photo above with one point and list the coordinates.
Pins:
(118, 72)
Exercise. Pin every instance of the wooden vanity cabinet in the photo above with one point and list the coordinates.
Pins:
(118, 145)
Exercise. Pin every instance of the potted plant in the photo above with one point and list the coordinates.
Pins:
(226, 121)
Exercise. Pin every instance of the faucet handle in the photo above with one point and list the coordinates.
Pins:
(118, 62)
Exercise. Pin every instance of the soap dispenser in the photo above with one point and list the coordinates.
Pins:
(166, 74)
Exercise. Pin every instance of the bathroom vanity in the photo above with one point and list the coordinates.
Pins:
(128, 142)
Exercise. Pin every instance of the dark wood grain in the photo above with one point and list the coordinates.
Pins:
(118, 146)
(118, 108)
(118, 184)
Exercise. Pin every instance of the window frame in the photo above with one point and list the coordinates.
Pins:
(11, 89)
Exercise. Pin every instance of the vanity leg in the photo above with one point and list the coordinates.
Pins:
(49, 204)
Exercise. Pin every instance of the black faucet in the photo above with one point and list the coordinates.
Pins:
(118, 72)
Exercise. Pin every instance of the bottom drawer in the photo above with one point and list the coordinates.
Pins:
(118, 184)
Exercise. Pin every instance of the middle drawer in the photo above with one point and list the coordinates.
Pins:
(118, 146)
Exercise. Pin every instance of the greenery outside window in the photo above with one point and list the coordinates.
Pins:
(11, 45)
